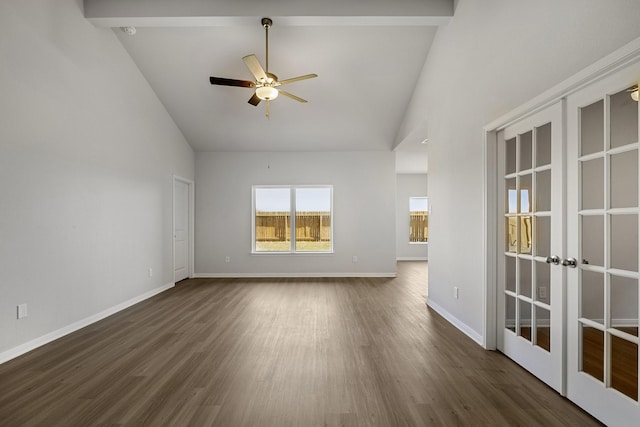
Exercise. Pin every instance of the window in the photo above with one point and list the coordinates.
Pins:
(279, 209)
(418, 219)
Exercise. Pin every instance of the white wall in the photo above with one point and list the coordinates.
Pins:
(492, 57)
(363, 219)
(87, 155)
(408, 185)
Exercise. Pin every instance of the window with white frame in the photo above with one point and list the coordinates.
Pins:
(278, 210)
(418, 220)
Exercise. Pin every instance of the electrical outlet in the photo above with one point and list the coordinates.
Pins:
(354, 259)
(151, 272)
(456, 292)
(227, 259)
(22, 311)
(542, 292)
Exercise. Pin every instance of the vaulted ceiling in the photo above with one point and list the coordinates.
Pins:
(368, 56)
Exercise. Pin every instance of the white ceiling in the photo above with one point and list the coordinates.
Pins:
(368, 66)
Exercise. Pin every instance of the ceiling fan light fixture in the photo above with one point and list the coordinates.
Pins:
(267, 93)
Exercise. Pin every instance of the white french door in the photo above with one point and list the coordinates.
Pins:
(603, 214)
(567, 265)
(530, 244)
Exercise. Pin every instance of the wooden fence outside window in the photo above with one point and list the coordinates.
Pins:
(276, 226)
(418, 226)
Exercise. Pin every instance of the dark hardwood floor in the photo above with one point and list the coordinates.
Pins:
(278, 352)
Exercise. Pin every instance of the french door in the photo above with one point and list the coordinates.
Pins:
(603, 214)
(531, 206)
(568, 245)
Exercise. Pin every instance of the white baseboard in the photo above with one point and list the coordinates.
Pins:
(52, 336)
(412, 258)
(456, 322)
(294, 275)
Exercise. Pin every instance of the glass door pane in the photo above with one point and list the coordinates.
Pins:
(592, 352)
(592, 183)
(592, 128)
(624, 185)
(543, 328)
(624, 367)
(623, 119)
(528, 220)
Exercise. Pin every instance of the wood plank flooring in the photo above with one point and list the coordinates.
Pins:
(278, 352)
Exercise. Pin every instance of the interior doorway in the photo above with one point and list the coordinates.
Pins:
(183, 220)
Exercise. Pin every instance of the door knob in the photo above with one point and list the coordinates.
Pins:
(570, 262)
(555, 259)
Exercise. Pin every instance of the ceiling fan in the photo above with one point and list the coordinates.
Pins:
(266, 84)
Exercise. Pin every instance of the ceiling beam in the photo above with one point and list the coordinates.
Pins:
(185, 13)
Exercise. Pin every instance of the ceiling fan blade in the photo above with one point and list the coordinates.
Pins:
(296, 79)
(254, 100)
(297, 98)
(230, 82)
(254, 66)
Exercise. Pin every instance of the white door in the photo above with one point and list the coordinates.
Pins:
(530, 244)
(602, 225)
(181, 218)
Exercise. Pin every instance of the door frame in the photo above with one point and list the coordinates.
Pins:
(624, 56)
(191, 218)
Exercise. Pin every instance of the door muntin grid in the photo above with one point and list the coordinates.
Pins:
(608, 219)
(527, 184)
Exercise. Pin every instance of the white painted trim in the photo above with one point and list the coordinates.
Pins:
(276, 275)
(490, 221)
(52, 336)
(412, 258)
(455, 322)
(192, 221)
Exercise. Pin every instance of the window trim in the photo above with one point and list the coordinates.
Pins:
(292, 212)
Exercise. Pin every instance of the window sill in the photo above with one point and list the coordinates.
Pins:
(418, 243)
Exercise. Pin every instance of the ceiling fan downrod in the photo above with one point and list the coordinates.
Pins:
(266, 24)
